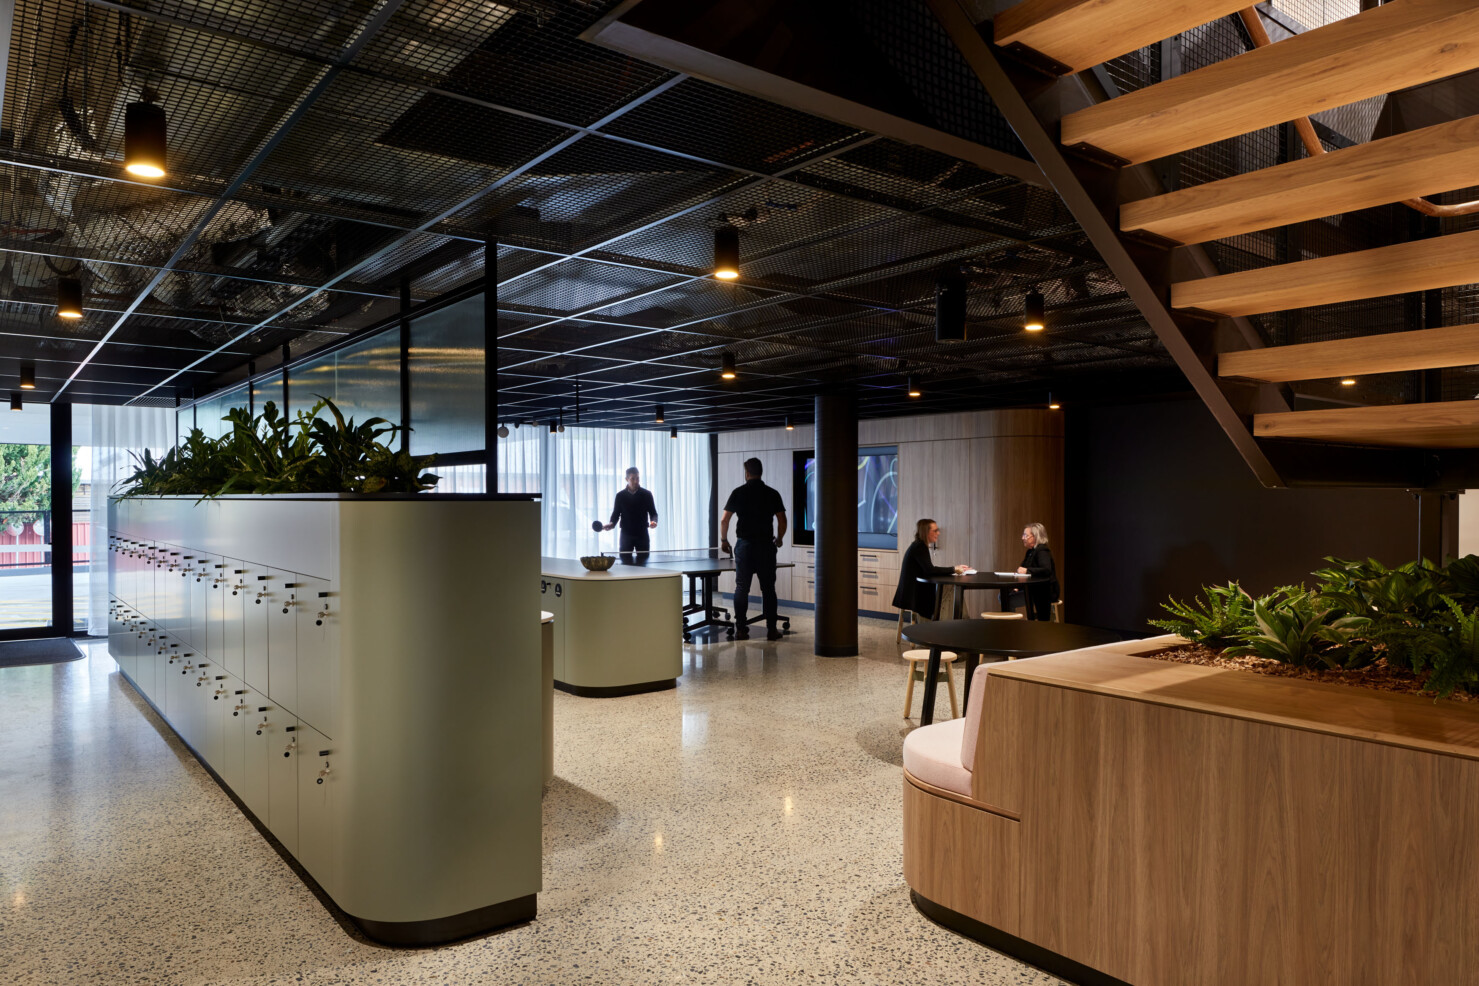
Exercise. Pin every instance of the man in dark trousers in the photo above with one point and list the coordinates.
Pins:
(754, 547)
(633, 507)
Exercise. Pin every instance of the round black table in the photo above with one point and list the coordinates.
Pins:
(981, 580)
(1006, 638)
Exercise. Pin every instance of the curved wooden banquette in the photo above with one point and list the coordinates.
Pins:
(1115, 818)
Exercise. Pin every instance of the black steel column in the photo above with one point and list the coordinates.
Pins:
(287, 355)
(490, 360)
(61, 517)
(405, 364)
(837, 525)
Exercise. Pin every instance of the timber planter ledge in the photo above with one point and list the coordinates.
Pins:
(1116, 818)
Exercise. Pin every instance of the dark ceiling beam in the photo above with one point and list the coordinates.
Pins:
(1072, 180)
(366, 31)
(79, 255)
(611, 32)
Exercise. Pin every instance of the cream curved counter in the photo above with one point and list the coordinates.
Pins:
(615, 633)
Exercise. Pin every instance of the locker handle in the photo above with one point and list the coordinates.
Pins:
(290, 585)
(264, 708)
(218, 566)
(241, 691)
(220, 677)
(239, 571)
(323, 595)
(324, 753)
(261, 578)
(289, 729)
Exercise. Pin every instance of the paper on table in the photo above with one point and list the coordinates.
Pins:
(969, 571)
(1008, 573)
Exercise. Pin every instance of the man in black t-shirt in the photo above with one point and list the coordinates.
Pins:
(754, 547)
(633, 508)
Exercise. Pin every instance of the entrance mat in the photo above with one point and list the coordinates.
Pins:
(47, 650)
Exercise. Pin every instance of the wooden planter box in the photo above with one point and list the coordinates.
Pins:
(1159, 823)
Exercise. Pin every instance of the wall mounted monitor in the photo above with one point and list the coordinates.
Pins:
(878, 496)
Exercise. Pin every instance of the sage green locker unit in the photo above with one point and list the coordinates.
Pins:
(281, 603)
(257, 580)
(552, 600)
(262, 731)
(233, 624)
(318, 654)
(317, 787)
(282, 780)
(231, 713)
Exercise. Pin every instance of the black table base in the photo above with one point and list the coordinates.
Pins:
(702, 588)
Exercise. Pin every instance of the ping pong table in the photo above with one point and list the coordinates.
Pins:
(702, 567)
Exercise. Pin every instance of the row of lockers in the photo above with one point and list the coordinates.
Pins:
(277, 763)
(276, 631)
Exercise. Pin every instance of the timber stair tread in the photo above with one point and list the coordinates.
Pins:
(1079, 34)
(1388, 352)
(1423, 162)
(1444, 424)
(1394, 46)
(1417, 265)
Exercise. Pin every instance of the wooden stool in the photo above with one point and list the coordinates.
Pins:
(1009, 615)
(922, 657)
(1058, 611)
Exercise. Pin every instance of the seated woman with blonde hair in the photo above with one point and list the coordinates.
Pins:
(1038, 561)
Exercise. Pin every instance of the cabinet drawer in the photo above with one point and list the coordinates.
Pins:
(872, 576)
(872, 597)
(879, 559)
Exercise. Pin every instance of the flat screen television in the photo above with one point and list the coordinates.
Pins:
(878, 496)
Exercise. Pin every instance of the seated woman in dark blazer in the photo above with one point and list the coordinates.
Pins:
(1040, 596)
(913, 594)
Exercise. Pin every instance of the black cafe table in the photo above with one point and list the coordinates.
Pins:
(981, 580)
(1002, 638)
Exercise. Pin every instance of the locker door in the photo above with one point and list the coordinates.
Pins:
(197, 587)
(184, 703)
(233, 618)
(210, 689)
(260, 734)
(282, 780)
(233, 711)
(254, 624)
(169, 586)
(281, 602)
(319, 769)
(216, 592)
(318, 654)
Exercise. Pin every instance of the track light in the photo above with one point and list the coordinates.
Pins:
(912, 390)
(789, 426)
(1348, 381)
(15, 402)
(726, 253)
(950, 309)
(1032, 312)
(726, 369)
(1052, 404)
(657, 418)
(503, 431)
(144, 139)
(69, 298)
(673, 432)
(28, 376)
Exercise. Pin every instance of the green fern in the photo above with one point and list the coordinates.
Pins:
(1216, 620)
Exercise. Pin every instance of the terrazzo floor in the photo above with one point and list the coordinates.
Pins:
(743, 828)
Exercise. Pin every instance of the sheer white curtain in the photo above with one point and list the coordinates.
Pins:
(116, 433)
(578, 472)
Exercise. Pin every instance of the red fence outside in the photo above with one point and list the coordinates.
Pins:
(13, 544)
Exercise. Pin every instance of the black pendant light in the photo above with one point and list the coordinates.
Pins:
(503, 431)
(1053, 405)
(950, 309)
(657, 418)
(144, 138)
(553, 428)
(912, 389)
(726, 253)
(673, 432)
(69, 297)
(726, 369)
(1032, 312)
(15, 402)
(28, 376)
(789, 426)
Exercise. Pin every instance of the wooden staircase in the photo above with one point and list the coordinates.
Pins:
(1400, 44)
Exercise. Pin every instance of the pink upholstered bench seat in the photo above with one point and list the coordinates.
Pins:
(932, 755)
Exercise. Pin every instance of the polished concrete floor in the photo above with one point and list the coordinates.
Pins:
(743, 828)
